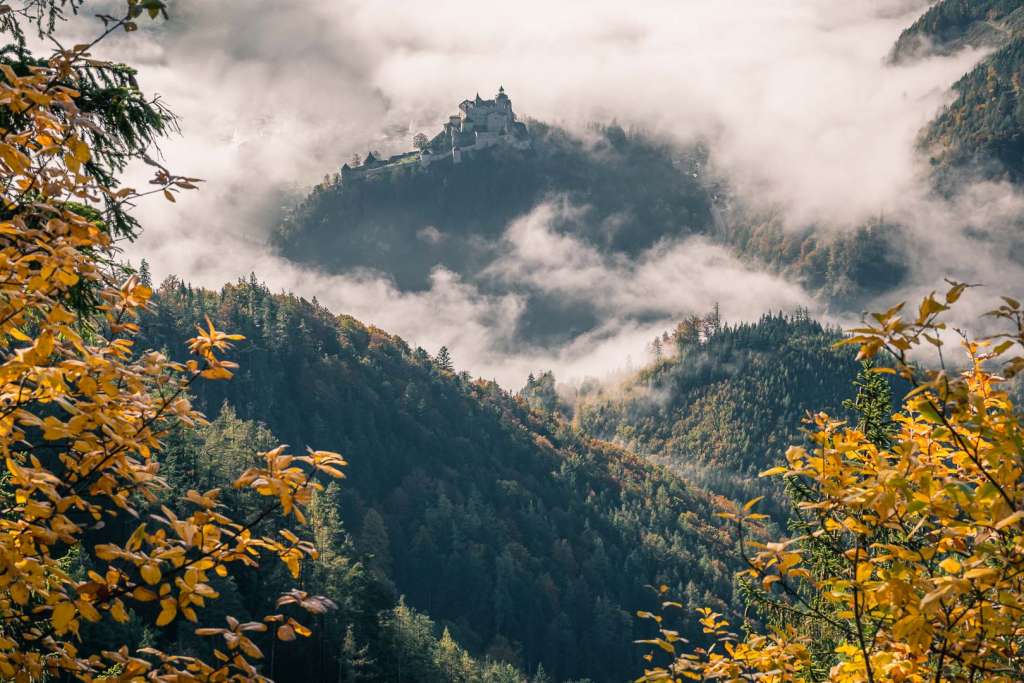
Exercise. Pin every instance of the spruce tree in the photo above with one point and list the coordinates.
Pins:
(444, 359)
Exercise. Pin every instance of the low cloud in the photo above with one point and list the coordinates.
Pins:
(672, 278)
(793, 96)
(637, 298)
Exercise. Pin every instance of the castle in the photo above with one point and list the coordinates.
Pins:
(479, 124)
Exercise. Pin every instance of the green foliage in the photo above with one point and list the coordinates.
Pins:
(950, 25)
(540, 394)
(728, 403)
(848, 268)
(982, 128)
(873, 405)
(369, 636)
(444, 360)
(528, 541)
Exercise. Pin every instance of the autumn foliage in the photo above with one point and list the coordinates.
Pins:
(83, 414)
(925, 532)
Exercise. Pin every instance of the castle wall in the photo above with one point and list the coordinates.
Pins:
(475, 127)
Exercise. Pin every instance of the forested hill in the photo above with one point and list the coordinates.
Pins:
(530, 542)
(626, 192)
(982, 130)
(636, 190)
(723, 403)
(951, 25)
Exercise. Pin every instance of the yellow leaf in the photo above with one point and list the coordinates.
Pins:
(118, 612)
(143, 594)
(168, 610)
(61, 616)
(89, 612)
(1012, 519)
(950, 565)
(773, 471)
(979, 572)
(150, 573)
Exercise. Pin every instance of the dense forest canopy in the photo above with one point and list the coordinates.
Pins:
(524, 537)
(723, 402)
(951, 25)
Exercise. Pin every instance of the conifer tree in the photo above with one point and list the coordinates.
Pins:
(444, 359)
(145, 277)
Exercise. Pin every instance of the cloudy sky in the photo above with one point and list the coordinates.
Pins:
(801, 111)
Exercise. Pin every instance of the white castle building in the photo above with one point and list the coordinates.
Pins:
(479, 124)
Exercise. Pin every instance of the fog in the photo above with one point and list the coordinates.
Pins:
(793, 97)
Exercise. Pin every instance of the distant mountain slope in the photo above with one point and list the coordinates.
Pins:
(726, 402)
(983, 129)
(845, 268)
(951, 25)
(530, 541)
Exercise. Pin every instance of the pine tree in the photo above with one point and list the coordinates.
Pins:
(444, 359)
(145, 277)
(354, 661)
(873, 405)
(375, 542)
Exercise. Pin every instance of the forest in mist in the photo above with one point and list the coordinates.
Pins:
(677, 341)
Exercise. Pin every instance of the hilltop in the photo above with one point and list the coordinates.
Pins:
(619, 193)
(404, 221)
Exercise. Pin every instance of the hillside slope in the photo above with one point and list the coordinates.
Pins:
(951, 25)
(983, 129)
(530, 542)
(726, 402)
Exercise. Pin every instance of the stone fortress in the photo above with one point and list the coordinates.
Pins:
(478, 125)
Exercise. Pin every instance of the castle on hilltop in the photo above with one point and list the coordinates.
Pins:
(479, 124)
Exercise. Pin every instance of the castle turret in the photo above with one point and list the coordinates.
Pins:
(480, 124)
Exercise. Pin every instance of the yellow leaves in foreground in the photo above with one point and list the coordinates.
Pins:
(83, 415)
(924, 535)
